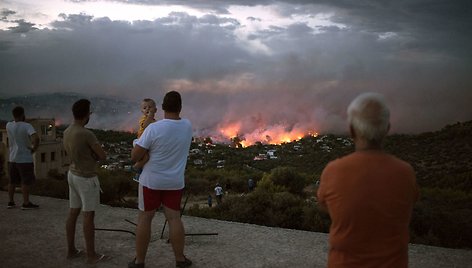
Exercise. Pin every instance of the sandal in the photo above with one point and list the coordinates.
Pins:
(76, 254)
(183, 264)
(102, 258)
(133, 264)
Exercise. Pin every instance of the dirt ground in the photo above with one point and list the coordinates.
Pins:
(36, 238)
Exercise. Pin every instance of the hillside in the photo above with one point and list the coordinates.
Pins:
(434, 155)
(442, 160)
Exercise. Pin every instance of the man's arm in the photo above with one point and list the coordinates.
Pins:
(99, 152)
(34, 142)
(137, 153)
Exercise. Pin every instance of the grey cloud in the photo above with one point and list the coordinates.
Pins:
(5, 45)
(91, 53)
(23, 27)
(299, 30)
(5, 13)
(73, 20)
(305, 79)
(253, 19)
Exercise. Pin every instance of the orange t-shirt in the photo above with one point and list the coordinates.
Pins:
(369, 196)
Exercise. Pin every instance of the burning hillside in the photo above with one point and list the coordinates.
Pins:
(276, 134)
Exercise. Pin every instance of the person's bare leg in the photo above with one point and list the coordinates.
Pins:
(25, 189)
(11, 192)
(89, 235)
(70, 231)
(176, 233)
(143, 234)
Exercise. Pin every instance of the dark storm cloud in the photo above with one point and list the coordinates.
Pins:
(119, 57)
(5, 13)
(22, 27)
(417, 53)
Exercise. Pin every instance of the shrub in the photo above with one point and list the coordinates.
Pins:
(266, 184)
(435, 223)
(197, 186)
(314, 219)
(289, 178)
(116, 185)
(54, 174)
(281, 209)
(52, 188)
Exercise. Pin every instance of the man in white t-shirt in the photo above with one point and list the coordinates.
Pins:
(162, 180)
(219, 193)
(22, 143)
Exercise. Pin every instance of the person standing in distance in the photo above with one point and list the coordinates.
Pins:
(219, 194)
(84, 151)
(22, 143)
(368, 194)
(162, 180)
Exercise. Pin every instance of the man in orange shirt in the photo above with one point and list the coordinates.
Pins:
(368, 194)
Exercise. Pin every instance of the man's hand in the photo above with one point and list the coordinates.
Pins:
(151, 112)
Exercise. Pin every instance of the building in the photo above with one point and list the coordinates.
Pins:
(50, 157)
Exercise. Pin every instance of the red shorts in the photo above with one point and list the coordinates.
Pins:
(150, 199)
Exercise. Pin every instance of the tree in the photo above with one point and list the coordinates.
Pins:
(289, 178)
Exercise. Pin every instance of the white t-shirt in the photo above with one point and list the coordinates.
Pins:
(168, 142)
(218, 190)
(19, 139)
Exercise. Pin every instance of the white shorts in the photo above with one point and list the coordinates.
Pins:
(83, 192)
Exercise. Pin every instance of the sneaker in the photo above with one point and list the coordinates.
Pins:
(133, 264)
(29, 206)
(183, 264)
(11, 205)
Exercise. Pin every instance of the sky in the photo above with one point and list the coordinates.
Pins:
(253, 68)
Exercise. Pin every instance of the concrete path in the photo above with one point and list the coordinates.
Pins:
(36, 238)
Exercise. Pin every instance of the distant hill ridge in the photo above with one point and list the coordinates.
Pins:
(436, 154)
(109, 112)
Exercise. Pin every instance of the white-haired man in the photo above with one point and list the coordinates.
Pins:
(368, 194)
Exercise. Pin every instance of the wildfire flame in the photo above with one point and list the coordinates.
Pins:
(277, 134)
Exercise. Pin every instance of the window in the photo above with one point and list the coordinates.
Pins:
(43, 157)
(46, 130)
(53, 156)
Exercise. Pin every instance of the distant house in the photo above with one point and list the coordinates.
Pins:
(50, 154)
(271, 154)
(260, 157)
